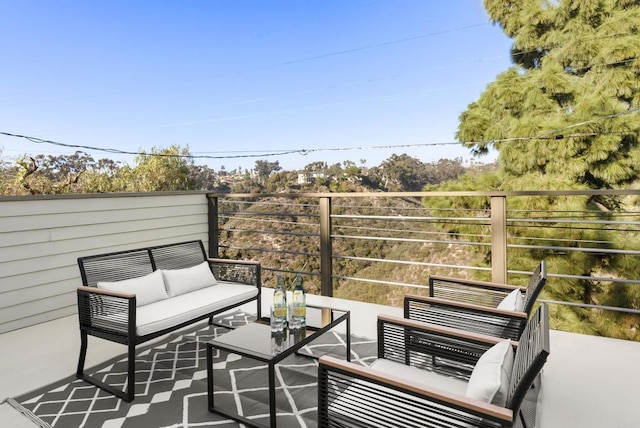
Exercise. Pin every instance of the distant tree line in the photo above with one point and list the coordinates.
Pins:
(172, 169)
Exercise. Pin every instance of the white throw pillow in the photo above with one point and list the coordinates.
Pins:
(512, 301)
(489, 381)
(148, 289)
(180, 281)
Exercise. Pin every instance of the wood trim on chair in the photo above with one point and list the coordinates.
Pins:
(474, 283)
(96, 290)
(445, 331)
(409, 386)
(438, 301)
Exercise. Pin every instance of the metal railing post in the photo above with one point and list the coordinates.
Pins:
(326, 265)
(499, 239)
(212, 219)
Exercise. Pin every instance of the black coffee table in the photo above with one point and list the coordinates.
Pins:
(255, 340)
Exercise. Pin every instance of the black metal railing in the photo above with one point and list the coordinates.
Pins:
(389, 243)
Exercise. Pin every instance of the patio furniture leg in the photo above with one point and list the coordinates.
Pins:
(127, 396)
(272, 395)
(131, 376)
(210, 392)
(323, 399)
(83, 354)
(348, 337)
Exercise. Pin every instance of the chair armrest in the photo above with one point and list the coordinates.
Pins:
(429, 346)
(106, 311)
(359, 396)
(498, 286)
(452, 332)
(466, 316)
(101, 291)
(414, 304)
(242, 271)
(471, 291)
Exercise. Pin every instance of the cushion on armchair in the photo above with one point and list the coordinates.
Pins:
(489, 381)
(513, 301)
(427, 377)
(181, 281)
(148, 289)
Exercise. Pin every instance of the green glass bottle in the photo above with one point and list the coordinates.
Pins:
(279, 306)
(298, 306)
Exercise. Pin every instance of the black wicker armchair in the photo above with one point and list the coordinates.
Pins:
(477, 306)
(422, 379)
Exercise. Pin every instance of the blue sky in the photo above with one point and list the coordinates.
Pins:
(245, 78)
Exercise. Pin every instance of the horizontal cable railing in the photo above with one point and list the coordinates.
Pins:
(577, 249)
(424, 241)
(384, 245)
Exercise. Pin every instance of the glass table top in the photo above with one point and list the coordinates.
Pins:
(257, 339)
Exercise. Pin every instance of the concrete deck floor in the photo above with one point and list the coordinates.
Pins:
(588, 382)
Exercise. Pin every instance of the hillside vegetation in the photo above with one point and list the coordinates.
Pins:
(380, 255)
(563, 116)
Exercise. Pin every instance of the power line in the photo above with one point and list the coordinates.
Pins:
(408, 94)
(454, 65)
(373, 98)
(586, 122)
(376, 45)
(127, 152)
(333, 53)
(551, 135)
(361, 48)
(299, 23)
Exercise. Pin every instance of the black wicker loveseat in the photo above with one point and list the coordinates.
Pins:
(133, 296)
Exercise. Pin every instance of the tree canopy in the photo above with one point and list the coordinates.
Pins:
(565, 115)
(569, 104)
(163, 169)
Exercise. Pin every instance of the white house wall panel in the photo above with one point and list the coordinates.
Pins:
(30, 219)
(35, 278)
(40, 318)
(36, 307)
(31, 294)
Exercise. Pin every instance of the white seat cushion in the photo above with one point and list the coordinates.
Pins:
(181, 281)
(426, 377)
(489, 381)
(148, 289)
(512, 301)
(171, 312)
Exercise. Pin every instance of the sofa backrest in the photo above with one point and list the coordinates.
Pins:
(178, 256)
(121, 265)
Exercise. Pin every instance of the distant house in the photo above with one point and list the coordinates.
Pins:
(307, 177)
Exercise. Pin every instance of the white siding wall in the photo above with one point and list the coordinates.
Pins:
(41, 239)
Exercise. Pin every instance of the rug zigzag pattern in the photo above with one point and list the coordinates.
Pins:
(171, 386)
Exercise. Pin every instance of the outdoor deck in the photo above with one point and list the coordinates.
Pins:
(588, 382)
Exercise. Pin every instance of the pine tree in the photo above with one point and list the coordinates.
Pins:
(575, 82)
(566, 115)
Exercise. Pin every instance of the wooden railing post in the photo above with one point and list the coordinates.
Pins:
(212, 219)
(326, 264)
(499, 239)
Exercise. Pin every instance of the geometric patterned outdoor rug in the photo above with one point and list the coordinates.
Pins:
(171, 386)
